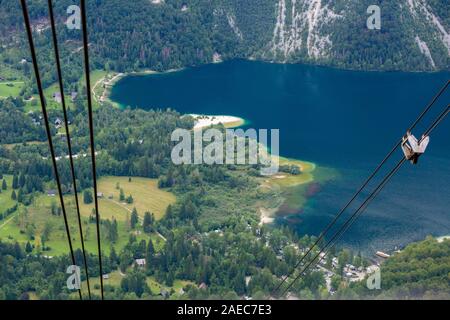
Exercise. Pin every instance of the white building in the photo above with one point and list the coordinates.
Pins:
(140, 262)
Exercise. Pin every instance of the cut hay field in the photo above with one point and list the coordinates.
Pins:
(38, 217)
(146, 194)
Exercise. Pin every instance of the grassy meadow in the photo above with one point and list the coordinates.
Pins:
(37, 219)
(11, 89)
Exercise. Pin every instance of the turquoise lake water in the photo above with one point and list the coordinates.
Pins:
(338, 119)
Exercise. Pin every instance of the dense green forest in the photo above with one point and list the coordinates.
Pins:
(420, 271)
(214, 245)
(174, 34)
(209, 199)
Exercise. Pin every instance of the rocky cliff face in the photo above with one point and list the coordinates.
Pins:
(429, 28)
(302, 30)
(413, 32)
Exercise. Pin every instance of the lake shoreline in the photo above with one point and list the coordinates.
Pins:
(311, 106)
(281, 180)
(206, 121)
(116, 77)
(107, 93)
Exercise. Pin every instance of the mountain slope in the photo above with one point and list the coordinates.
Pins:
(414, 35)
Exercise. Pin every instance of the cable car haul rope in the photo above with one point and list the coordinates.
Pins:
(412, 149)
(349, 222)
(49, 136)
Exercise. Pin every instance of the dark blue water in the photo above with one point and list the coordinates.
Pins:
(340, 119)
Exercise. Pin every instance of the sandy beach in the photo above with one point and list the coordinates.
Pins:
(443, 238)
(205, 121)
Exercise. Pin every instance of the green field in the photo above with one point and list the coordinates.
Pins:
(38, 216)
(146, 194)
(49, 91)
(34, 105)
(11, 89)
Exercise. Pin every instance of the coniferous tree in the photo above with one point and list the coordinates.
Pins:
(21, 180)
(114, 233)
(130, 199)
(148, 222)
(239, 283)
(20, 196)
(87, 197)
(28, 247)
(113, 257)
(13, 195)
(170, 278)
(4, 185)
(15, 182)
(134, 218)
(150, 254)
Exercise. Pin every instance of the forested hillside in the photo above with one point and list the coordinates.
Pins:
(213, 244)
(211, 240)
(134, 35)
(420, 271)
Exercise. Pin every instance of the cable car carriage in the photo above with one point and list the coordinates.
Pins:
(413, 148)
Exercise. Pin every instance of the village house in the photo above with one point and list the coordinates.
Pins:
(335, 262)
(51, 193)
(140, 262)
(57, 97)
(58, 123)
(247, 280)
(164, 293)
